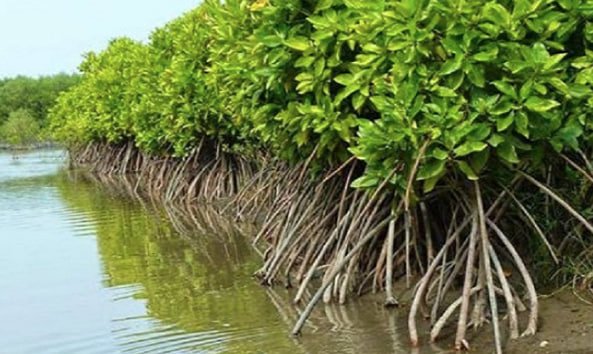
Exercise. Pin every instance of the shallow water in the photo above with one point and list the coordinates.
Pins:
(84, 269)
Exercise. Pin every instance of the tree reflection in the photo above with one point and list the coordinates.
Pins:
(197, 283)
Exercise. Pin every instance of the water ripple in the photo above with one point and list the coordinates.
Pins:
(84, 270)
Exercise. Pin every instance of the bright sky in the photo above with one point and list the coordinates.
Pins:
(39, 37)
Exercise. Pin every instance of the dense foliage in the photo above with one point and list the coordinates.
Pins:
(36, 95)
(24, 105)
(438, 92)
(21, 129)
(461, 86)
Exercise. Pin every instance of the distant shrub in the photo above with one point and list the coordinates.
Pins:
(20, 129)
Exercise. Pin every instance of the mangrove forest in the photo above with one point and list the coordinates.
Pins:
(435, 156)
(24, 106)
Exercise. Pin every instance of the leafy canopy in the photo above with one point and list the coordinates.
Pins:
(20, 129)
(462, 86)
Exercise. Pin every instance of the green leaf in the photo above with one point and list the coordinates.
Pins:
(430, 183)
(475, 73)
(505, 88)
(522, 124)
(539, 53)
(541, 89)
(502, 107)
(271, 40)
(366, 59)
(553, 61)
(439, 154)
(451, 44)
(431, 169)
(559, 85)
(480, 132)
(488, 55)
(365, 182)
(569, 135)
(358, 101)
(495, 140)
(394, 46)
(445, 92)
(526, 90)
(378, 5)
(582, 62)
(304, 62)
(467, 170)
(469, 147)
(380, 102)
(302, 138)
(478, 160)
(304, 77)
(503, 123)
(345, 79)
(347, 91)
(507, 152)
(579, 91)
(372, 47)
(516, 66)
(538, 104)
(319, 67)
(452, 65)
(298, 43)
(323, 5)
(497, 13)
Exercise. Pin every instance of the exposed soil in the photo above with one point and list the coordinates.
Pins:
(566, 326)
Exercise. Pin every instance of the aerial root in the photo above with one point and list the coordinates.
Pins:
(484, 279)
(184, 180)
(320, 230)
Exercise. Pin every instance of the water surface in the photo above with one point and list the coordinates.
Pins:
(86, 269)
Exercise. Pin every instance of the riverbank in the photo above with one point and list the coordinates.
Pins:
(36, 146)
(566, 322)
(84, 268)
(566, 327)
(238, 190)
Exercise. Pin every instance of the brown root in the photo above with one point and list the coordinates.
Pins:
(309, 228)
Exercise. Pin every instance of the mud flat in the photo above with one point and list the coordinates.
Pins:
(566, 327)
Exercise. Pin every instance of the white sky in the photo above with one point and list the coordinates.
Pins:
(40, 37)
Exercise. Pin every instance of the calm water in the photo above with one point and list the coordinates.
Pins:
(84, 269)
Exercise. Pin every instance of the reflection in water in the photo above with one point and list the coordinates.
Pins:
(84, 269)
(200, 292)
